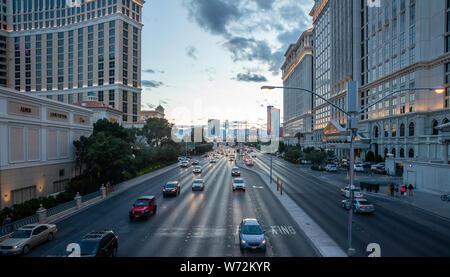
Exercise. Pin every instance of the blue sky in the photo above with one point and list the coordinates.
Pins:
(206, 59)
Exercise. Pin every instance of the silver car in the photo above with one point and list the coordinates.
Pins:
(360, 205)
(198, 184)
(26, 238)
(251, 235)
(238, 184)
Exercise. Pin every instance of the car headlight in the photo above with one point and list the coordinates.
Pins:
(243, 241)
(15, 246)
(263, 242)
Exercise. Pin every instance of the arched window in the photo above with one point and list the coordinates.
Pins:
(394, 130)
(393, 152)
(411, 153)
(386, 151)
(386, 131)
(435, 131)
(411, 129)
(445, 121)
(402, 130)
(402, 153)
(376, 132)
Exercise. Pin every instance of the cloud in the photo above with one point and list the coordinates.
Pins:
(153, 71)
(213, 15)
(191, 51)
(251, 33)
(248, 77)
(151, 84)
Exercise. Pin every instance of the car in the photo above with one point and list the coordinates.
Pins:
(197, 169)
(360, 205)
(99, 244)
(368, 164)
(331, 168)
(195, 162)
(356, 192)
(235, 171)
(184, 163)
(171, 188)
(27, 237)
(358, 168)
(212, 160)
(238, 184)
(232, 157)
(198, 184)
(143, 207)
(251, 235)
(379, 170)
(249, 162)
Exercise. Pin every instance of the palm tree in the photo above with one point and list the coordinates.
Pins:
(299, 136)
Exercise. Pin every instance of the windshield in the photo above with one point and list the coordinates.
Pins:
(198, 181)
(22, 234)
(252, 230)
(197, 167)
(235, 169)
(141, 203)
(364, 202)
(170, 186)
(238, 181)
(88, 247)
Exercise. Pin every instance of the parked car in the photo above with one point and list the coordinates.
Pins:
(378, 170)
(235, 171)
(368, 164)
(238, 184)
(331, 168)
(99, 244)
(143, 207)
(356, 192)
(197, 169)
(171, 188)
(358, 168)
(251, 235)
(27, 237)
(360, 205)
(198, 184)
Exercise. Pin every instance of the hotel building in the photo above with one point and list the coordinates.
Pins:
(65, 49)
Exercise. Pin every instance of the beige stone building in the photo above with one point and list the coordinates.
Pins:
(36, 145)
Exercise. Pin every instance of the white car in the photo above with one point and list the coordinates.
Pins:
(198, 184)
(331, 168)
(358, 168)
(356, 192)
(238, 184)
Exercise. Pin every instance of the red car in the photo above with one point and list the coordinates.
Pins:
(143, 207)
(379, 170)
(249, 162)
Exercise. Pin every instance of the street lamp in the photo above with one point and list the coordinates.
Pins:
(352, 127)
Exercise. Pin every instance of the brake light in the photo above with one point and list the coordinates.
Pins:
(117, 237)
(362, 207)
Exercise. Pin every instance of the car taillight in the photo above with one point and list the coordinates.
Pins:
(117, 237)
(362, 207)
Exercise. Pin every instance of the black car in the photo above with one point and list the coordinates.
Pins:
(171, 188)
(235, 172)
(99, 244)
(195, 162)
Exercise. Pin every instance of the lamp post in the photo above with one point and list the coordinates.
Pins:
(352, 127)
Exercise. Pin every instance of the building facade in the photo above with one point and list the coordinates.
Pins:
(36, 145)
(297, 71)
(63, 50)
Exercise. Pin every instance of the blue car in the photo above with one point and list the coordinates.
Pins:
(251, 235)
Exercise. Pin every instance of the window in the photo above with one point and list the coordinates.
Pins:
(394, 130)
(411, 129)
(402, 130)
(375, 131)
(386, 131)
(393, 152)
(435, 131)
(411, 153)
(402, 153)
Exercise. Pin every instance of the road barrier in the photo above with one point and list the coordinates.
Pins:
(11, 227)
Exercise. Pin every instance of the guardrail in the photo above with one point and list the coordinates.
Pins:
(61, 208)
(11, 227)
(91, 196)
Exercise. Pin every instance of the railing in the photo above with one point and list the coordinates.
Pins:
(90, 196)
(9, 228)
(61, 208)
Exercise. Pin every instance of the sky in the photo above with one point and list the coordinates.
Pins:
(207, 59)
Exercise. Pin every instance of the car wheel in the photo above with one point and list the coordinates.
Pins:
(164, 195)
(50, 237)
(114, 252)
(26, 249)
(154, 209)
(131, 218)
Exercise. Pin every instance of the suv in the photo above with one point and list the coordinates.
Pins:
(143, 207)
(198, 184)
(99, 244)
(238, 183)
(251, 235)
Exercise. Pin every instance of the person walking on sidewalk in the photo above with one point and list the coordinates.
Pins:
(403, 191)
(410, 188)
(111, 186)
(396, 190)
(392, 188)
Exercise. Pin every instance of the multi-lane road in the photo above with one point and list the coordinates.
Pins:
(400, 230)
(201, 223)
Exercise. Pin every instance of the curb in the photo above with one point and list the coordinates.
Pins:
(318, 239)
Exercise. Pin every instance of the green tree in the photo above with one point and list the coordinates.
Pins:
(317, 157)
(370, 156)
(379, 159)
(81, 147)
(157, 131)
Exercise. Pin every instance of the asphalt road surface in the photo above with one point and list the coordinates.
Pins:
(193, 224)
(400, 230)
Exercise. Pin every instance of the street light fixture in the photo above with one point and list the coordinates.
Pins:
(352, 127)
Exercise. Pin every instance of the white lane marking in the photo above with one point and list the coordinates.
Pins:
(258, 187)
(283, 230)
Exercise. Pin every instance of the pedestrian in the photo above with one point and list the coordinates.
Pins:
(396, 190)
(7, 220)
(410, 188)
(392, 190)
(403, 190)
(111, 186)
